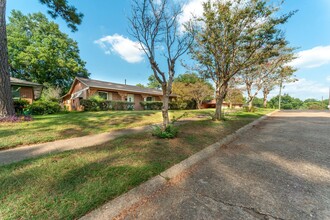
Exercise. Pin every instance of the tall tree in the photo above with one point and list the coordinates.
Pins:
(40, 52)
(154, 24)
(256, 76)
(231, 36)
(57, 8)
(284, 74)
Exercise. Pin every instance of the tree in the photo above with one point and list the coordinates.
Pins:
(288, 102)
(231, 36)
(51, 93)
(234, 96)
(154, 24)
(140, 85)
(57, 8)
(284, 74)
(192, 89)
(40, 52)
(268, 71)
(153, 83)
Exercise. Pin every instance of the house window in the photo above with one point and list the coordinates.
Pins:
(15, 91)
(149, 99)
(130, 98)
(103, 95)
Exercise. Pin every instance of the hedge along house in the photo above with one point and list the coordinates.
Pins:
(26, 90)
(83, 88)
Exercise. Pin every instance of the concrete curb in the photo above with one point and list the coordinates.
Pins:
(114, 207)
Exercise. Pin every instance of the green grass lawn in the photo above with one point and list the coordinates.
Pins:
(75, 124)
(68, 185)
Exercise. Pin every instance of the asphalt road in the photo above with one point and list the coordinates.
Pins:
(280, 169)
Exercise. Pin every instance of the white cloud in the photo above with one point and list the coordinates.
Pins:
(328, 78)
(303, 89)
(190, 9)
(128, 50)
(312, 58)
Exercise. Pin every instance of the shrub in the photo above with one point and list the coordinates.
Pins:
(169, 132)
(41, 107)
(20, 105)
(103, 105)
(121, 105)
(246, 109)
(152, 105)
(88, 105)
(176, 105)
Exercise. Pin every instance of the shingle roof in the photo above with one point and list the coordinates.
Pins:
(15, 81)
(119, 87)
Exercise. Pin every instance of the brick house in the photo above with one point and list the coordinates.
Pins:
(212, 104)
(83, 88)
(22, 89)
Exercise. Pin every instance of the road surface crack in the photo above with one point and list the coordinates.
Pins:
(250, 210)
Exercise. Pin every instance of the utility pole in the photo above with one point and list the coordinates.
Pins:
(322, 106)
(280, 95)
(329, 99)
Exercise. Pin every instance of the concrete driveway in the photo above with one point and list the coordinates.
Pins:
(280, 169)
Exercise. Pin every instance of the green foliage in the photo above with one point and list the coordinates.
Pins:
(40, 52)
(140, 85)
(51, 93)
(235, 96)
(229, 41)
(192, 90)
(67, 12)
(246, 109)
(20, 105)
(170, 131)
(177, 105)
(188, 78)
(153, 83)
(152, 105)
(96, 103)
(42, 107)
(258, 102)
(313, 105)
(287, 102)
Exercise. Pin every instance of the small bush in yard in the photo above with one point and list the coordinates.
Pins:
(20, 105)
(41, 107)
(151, 105)
(169, 132)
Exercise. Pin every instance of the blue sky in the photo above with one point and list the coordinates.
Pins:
(106, 46)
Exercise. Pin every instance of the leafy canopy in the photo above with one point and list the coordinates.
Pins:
(64, 10)
(40, 52)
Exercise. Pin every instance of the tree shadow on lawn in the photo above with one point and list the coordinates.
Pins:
(70, 184)
(71, 125)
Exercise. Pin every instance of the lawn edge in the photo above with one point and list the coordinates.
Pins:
(141, 193)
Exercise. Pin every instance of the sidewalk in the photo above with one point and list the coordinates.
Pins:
(35, 150)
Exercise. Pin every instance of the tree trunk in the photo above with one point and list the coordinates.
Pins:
(251, 104)
(280, 95)
(6, 101)
(199, 104)
(166, 99)
(265, 98)
(220, 97)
